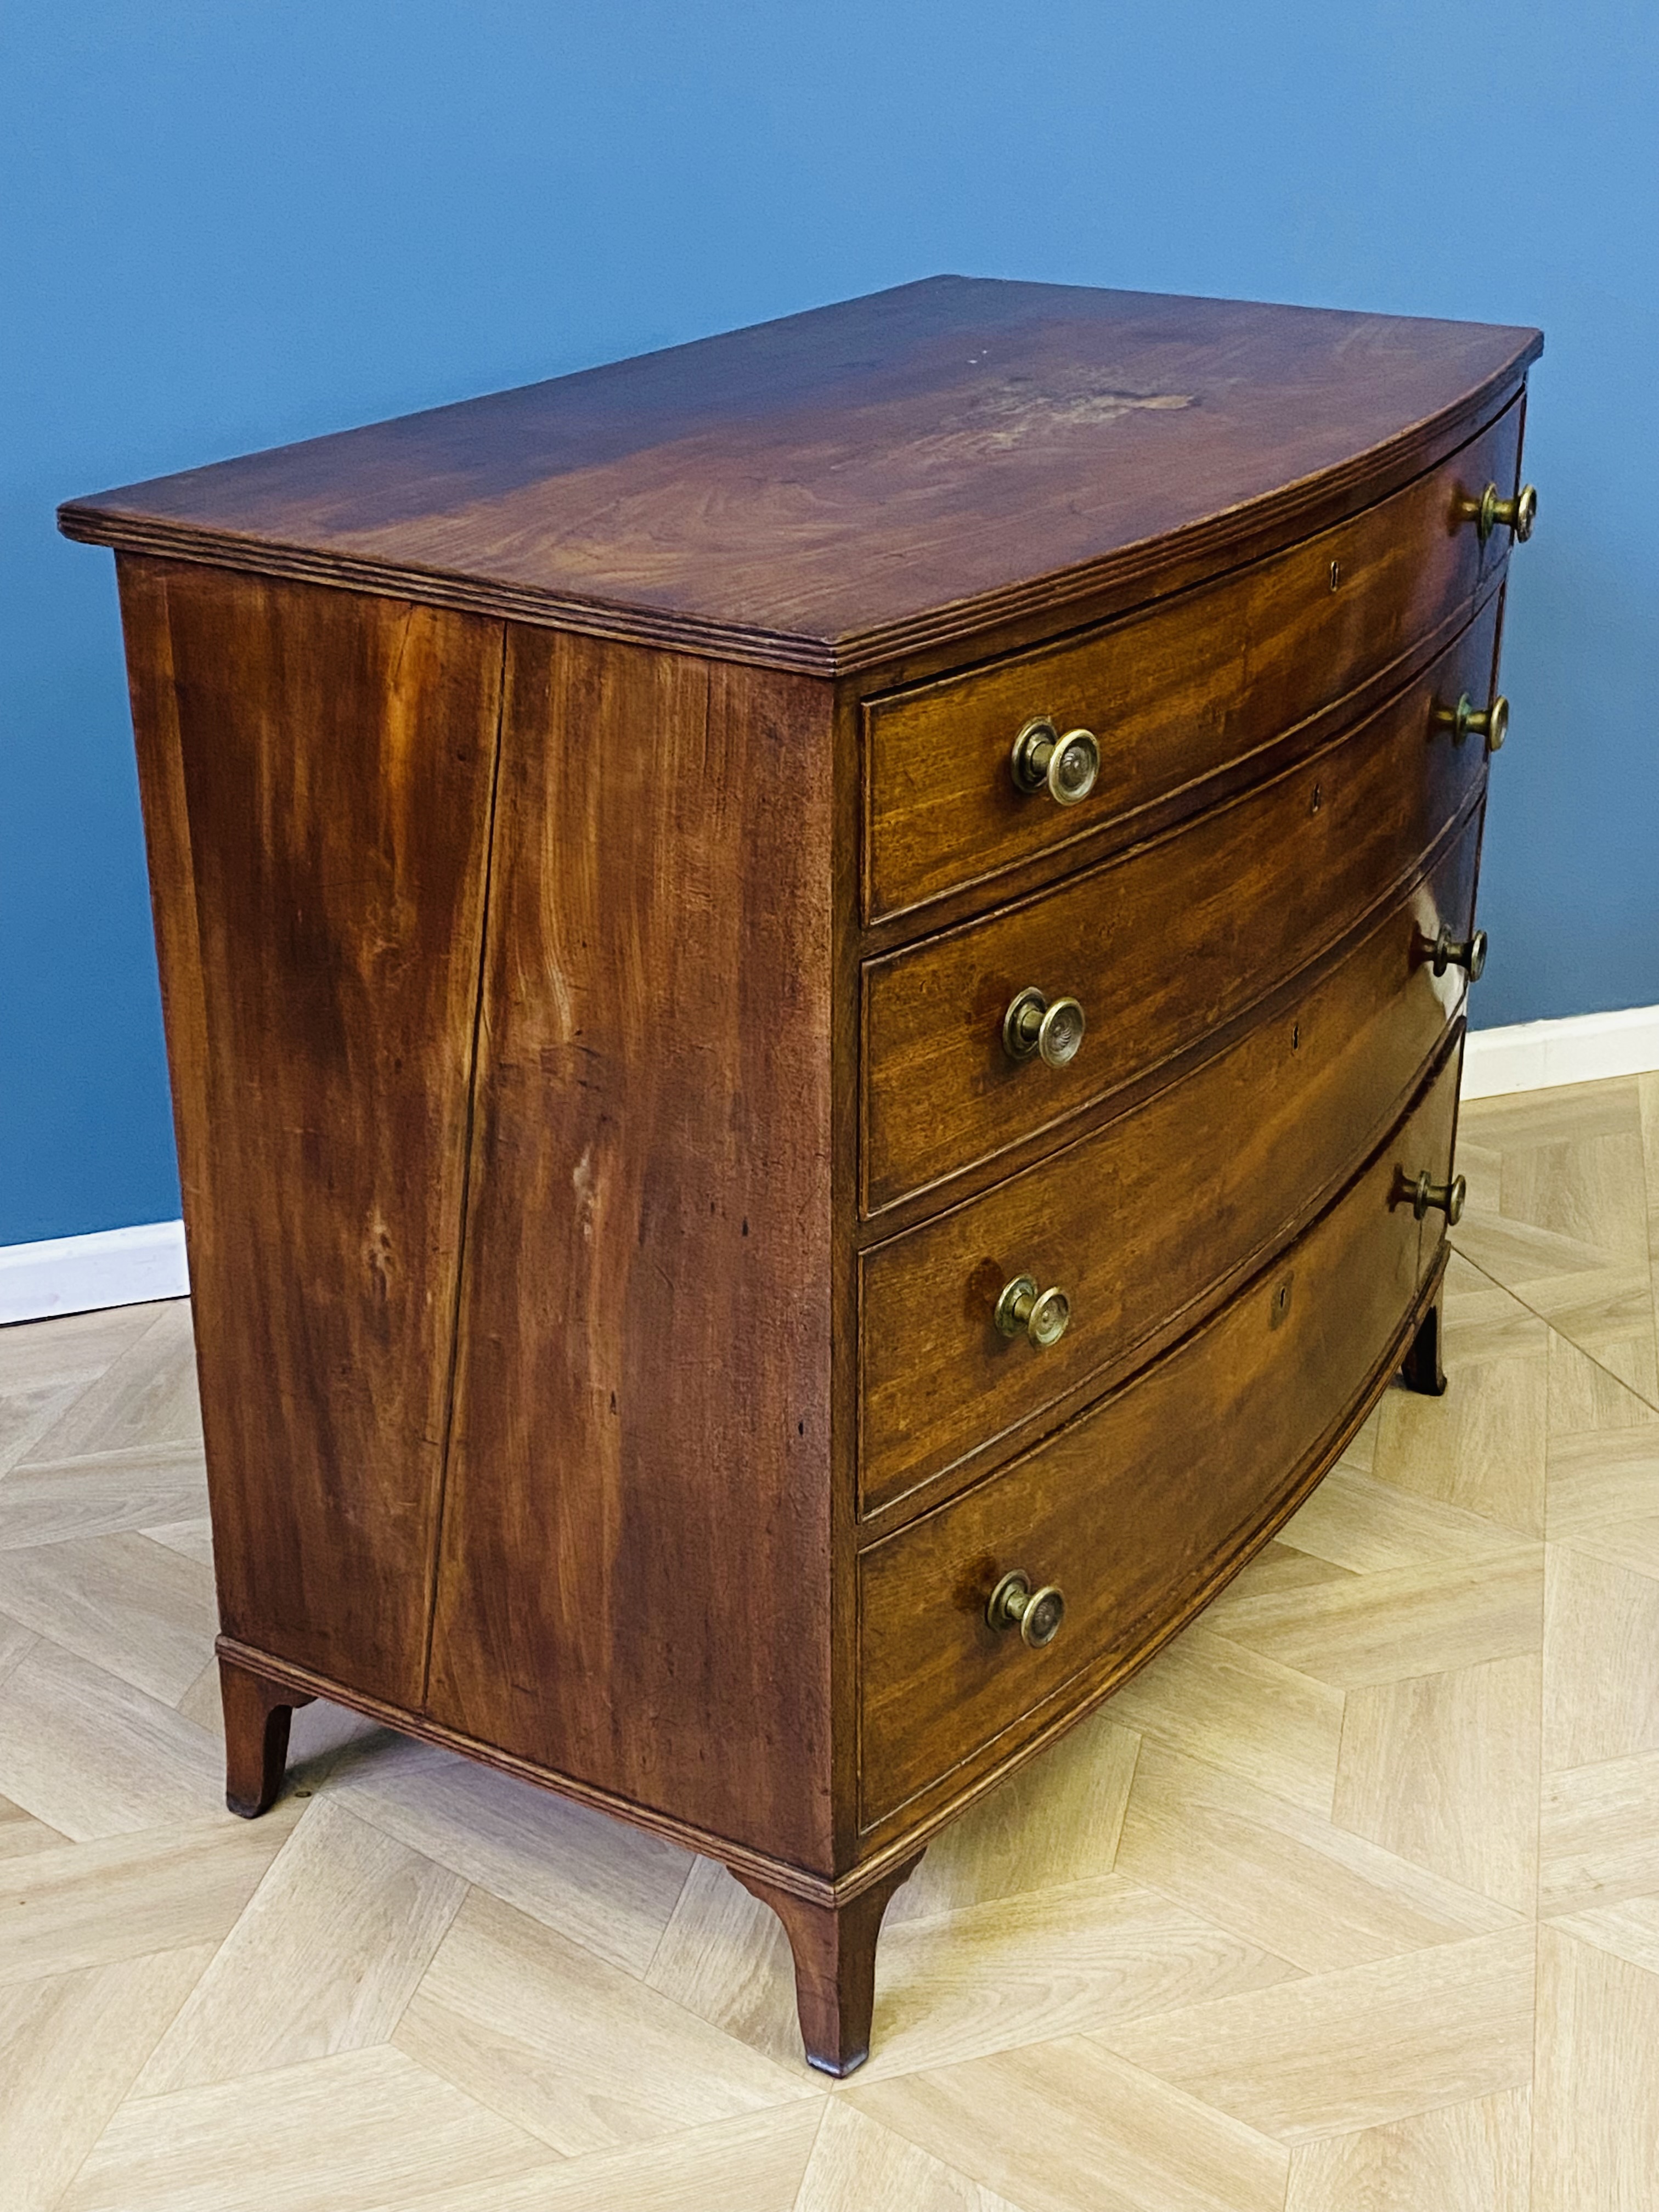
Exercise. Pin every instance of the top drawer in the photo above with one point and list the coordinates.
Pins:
(1173, 694)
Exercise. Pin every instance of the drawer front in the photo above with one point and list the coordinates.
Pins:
(1135, 1508)
(1173, 694)
(1161, 946)
(1142, 1218)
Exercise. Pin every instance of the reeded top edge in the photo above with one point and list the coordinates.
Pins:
(838, 488)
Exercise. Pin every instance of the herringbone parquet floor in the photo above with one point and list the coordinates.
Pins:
(1350, 1903)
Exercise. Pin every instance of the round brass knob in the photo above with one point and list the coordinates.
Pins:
(1037, 1613)
(1490, 513)
(1446, 1198)
(1492, 723)
(1471, 955)
(1066, 766)
(1044, 1315)
(1032, 1026)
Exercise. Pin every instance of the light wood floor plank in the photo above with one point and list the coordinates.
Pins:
(1014, 1970)
(192, 1536)
(1443, 1770)
(1566, 1112)
(1599, 1835)
(70, 2046)
(361, 2132)
(1240, 1710)
(1631, 1541)
(328, 1953)
(1585, 1394)
(72, 1348)
(16, 1641)
(1647, 1088)
(1056, 1820)
(1480, 1448)
(1282, 1877)
(1370, 1527)
(88, 1905)
(1458, 2158)
(1600, 1660)
(608, 1887)
(92, 1756)
(146, 1397)
(1595, 2101)
(1055, 1962)
(132, 1608)
(29, 1410)
(1629, 1929)
(98, 1496)
(1066, 2127)
(20, 1832)
(753, 2164)
(1358, 2048)
(570, 2048)
(1588, 1188)
(1601, 1475)
(857, 2163)
(1404, 1621)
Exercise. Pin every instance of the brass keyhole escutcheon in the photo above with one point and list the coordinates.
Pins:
(1065, 767)
(1492, 723)
(1042, 1316)
(1037, 1613)
(1490, 513)
(1032, 1026)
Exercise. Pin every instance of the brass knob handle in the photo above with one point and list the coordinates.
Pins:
(1032, 1026)
(1470, 954)
(1446, 1198)
(1066, 766)
(1492, 723)
(1037, 1613)
(1490, 513)
(1043, 1316)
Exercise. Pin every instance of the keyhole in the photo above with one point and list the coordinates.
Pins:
(1295, 1036)
(1317, 801)
(1336, 574)
(1281, 1303)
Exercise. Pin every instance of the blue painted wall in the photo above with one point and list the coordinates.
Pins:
(224, 226)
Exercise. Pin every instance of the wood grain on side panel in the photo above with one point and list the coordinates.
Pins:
(316, 774)
(635, 1584)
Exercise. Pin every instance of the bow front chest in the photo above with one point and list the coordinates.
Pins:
(815, 988)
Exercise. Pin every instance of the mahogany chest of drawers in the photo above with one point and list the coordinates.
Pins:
(815, 990)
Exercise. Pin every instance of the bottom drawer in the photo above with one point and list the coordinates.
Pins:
(1136, 1505)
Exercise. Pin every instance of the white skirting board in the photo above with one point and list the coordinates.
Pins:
(125, 1267)
(1542, 1055)
(77, 1274)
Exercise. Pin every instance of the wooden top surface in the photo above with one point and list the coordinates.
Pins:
(839, 487)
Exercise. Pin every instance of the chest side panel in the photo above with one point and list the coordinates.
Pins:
(316, 769)
(634, 1586)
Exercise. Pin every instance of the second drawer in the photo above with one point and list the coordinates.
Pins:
(1136, 1222)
